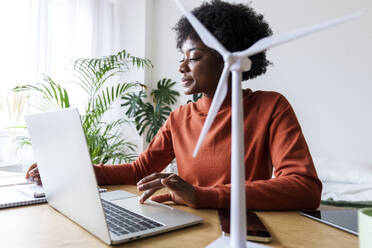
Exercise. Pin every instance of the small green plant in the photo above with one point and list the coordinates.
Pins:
(195, 97)
(149, 117)
(104, 140)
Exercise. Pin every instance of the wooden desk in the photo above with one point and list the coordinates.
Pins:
(41, 226)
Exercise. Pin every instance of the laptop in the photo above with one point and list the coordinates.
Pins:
(70, 185)
(346, 220)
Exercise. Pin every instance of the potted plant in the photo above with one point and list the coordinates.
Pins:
(105, 142)
(150, 116)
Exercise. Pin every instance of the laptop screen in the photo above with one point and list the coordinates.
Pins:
(346, 220)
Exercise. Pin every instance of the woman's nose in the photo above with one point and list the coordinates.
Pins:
(183, 67)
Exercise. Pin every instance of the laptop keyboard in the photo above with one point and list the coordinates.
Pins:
(122, 221)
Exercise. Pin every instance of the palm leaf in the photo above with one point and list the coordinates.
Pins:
(22, 141)
(108, 146)
(103, 101)
(95, 72)
(134, 103)
(164, 93)
(149, 117)
(51, 96)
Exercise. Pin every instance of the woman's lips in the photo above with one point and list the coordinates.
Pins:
(186, 82)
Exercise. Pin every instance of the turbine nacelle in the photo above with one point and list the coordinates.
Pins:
(238, 63)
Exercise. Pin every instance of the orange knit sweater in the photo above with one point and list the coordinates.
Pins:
(273, 138)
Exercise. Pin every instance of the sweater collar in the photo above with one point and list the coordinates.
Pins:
(205, 102)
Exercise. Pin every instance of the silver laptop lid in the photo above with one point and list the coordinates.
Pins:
(63, 158)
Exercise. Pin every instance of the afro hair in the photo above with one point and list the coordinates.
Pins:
(236, 26)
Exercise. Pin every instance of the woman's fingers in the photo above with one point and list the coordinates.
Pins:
(181, 192)
(33, 166)
(175, 183)
(37, 180)
(34, 172)
(152, 181)
(150, 185)
(33, 175)
(152, 177)
(162, 198)
(170, 182)
(147, 194)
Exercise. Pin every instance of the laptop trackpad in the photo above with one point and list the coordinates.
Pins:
(148, 208)
(116, 195)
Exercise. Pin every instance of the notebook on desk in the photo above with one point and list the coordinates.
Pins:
(11, 196)
(70, 185)
(8, 178)
(24, 194)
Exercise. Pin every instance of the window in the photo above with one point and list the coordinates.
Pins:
(45, 37)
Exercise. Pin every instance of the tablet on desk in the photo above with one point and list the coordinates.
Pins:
(346, 220)
(256, 230)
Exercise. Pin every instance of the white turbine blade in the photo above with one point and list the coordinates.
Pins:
(207, 38)
(218, 98)
(269, 42)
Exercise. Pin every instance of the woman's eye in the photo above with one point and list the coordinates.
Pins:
(190, 59)
(194, 59)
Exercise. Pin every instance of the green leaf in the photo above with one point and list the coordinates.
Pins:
(134, 103)
(149, 117)
(164, 94)
(50, 95)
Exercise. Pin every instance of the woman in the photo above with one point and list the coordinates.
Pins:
(273, 136)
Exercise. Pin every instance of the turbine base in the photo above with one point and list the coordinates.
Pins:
(224, 242)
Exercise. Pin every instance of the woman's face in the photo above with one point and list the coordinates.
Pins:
(200, 68)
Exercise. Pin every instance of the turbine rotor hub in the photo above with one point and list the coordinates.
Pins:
(239, 63)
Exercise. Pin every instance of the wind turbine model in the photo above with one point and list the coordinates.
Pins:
(236, 63)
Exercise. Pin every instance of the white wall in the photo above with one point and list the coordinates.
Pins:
(325, 76)
(163, 45)
(132, 35)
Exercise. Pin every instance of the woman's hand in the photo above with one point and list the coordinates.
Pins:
(33, 175)
(181, 192)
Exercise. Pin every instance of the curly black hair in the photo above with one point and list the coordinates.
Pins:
(236, 26)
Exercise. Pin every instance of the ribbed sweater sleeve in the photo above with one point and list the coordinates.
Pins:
(154, 159)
